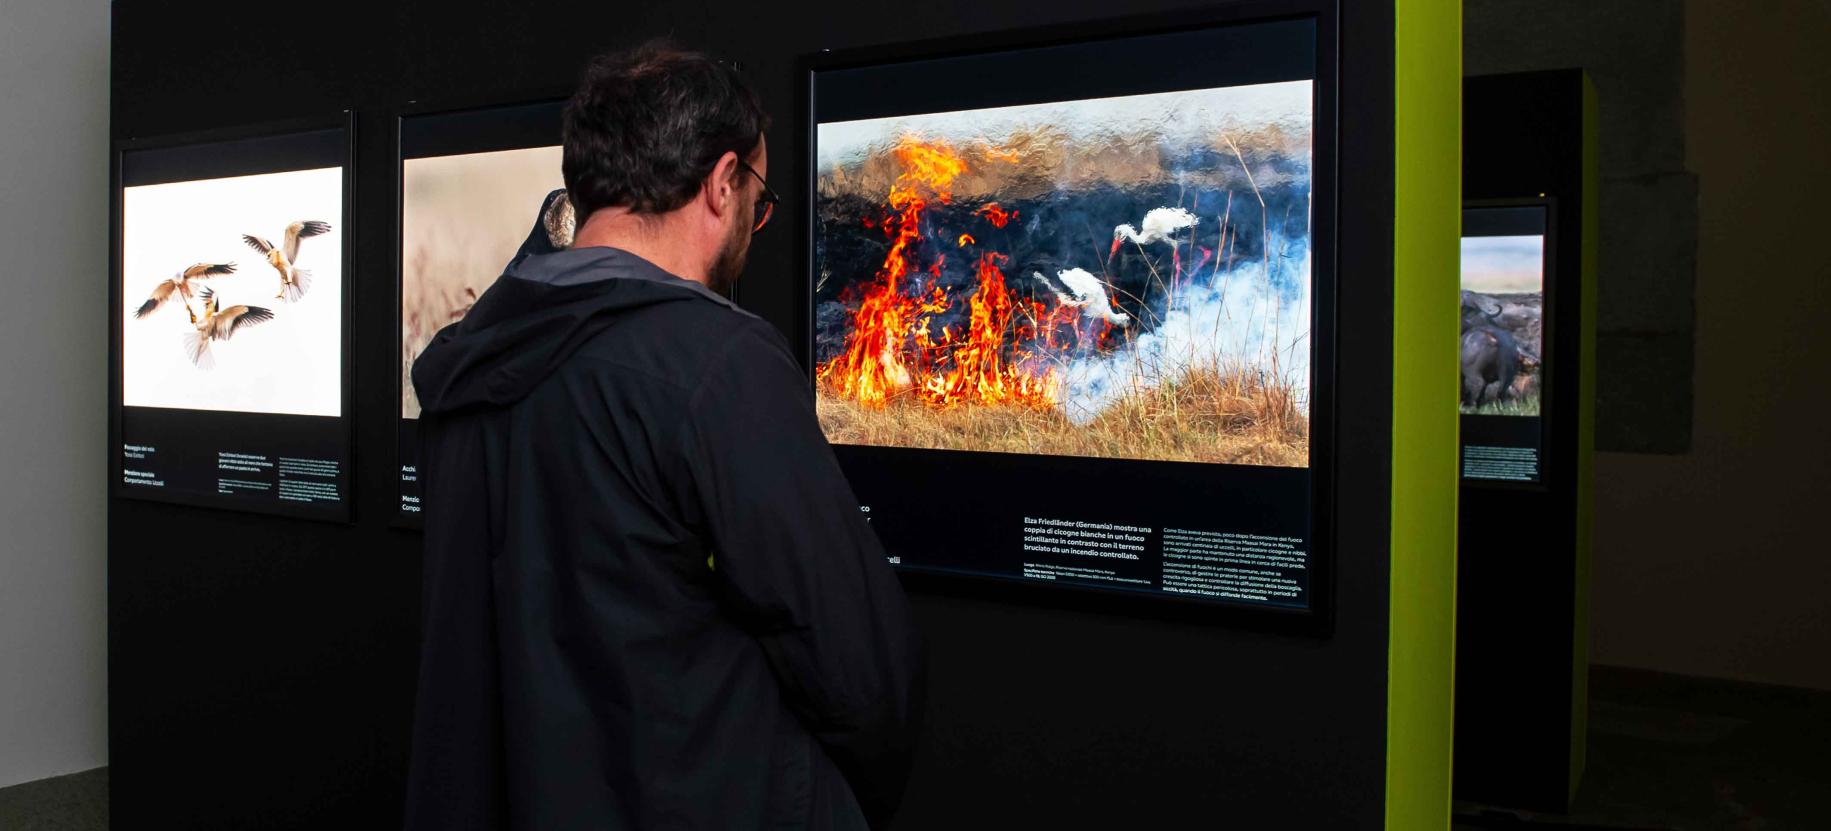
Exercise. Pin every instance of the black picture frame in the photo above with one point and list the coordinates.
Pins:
(1547, 464)
(484, 138)
(1318, 619)
(344, 121)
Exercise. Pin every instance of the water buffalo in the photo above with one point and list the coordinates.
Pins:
(1526, 385)
(1491, 360)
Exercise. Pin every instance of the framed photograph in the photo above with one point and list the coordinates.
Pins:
(1069, 307)
(231, 359)
(1501, 350)
(472, 182)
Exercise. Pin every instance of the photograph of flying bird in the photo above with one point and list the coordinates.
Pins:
(218, 324)
(294, 281)
(180, 285)
(170, 359)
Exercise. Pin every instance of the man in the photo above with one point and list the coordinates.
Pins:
(650, 598)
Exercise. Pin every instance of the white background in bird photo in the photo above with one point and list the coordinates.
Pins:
(292, 364)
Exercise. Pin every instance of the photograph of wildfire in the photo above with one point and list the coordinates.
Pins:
(1121, 277)
(1503, 324)
(462, 219)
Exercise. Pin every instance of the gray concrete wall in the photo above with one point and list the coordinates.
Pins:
(53, 387)
(1717, 562)
(1711, 357)
(1634, 52)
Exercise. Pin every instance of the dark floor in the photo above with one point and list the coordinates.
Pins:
(1666, 752)
(78, 802)
(1695, 754)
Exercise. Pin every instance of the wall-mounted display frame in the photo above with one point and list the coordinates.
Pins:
(471, 183)
(230, 332)
(1508, 317)
(1522, 634)
(1067, 308)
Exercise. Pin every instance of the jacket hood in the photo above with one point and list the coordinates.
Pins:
(540, 311)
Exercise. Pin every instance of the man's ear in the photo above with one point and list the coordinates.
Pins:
(720, 186)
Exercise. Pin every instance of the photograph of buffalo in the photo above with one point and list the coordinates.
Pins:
(1503, 324)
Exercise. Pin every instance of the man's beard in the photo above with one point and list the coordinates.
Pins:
(730, 260)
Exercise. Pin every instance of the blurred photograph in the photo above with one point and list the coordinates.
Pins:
(1503, 324)
(462, 219)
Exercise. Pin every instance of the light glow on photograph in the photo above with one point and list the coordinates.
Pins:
(257, 329)
(1122, 277)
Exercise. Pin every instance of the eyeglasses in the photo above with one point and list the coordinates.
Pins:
(766, 201)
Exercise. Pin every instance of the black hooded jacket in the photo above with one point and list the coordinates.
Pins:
(650, 599)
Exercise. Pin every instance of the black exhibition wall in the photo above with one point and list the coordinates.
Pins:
(1522, 656)
(262, 668)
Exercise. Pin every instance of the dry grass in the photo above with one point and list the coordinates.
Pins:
(439, 282)
(1205, 412)
(1206, 415)
(1510, 407)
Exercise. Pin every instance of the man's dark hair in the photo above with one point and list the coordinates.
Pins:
(647, 126)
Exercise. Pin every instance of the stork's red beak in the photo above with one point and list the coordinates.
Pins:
(1115, 249)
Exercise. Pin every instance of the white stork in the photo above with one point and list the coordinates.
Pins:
(1159, 225)
(1085, 292)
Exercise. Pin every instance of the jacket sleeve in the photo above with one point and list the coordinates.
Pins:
(801, 568)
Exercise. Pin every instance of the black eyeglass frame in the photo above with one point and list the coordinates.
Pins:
(767, 201)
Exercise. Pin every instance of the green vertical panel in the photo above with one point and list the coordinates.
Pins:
(1427, 221)
(1586, 443)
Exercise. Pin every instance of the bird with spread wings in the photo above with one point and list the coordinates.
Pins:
(294, 281)
(218, 324)
(179, 285)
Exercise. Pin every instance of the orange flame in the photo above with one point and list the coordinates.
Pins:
(892, 350)
(934, 166)
(1003, 155)
(982, 372)
(966, 239)
(996, 215)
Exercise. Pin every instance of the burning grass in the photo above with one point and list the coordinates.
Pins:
(919, 355)
(1205, 414)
